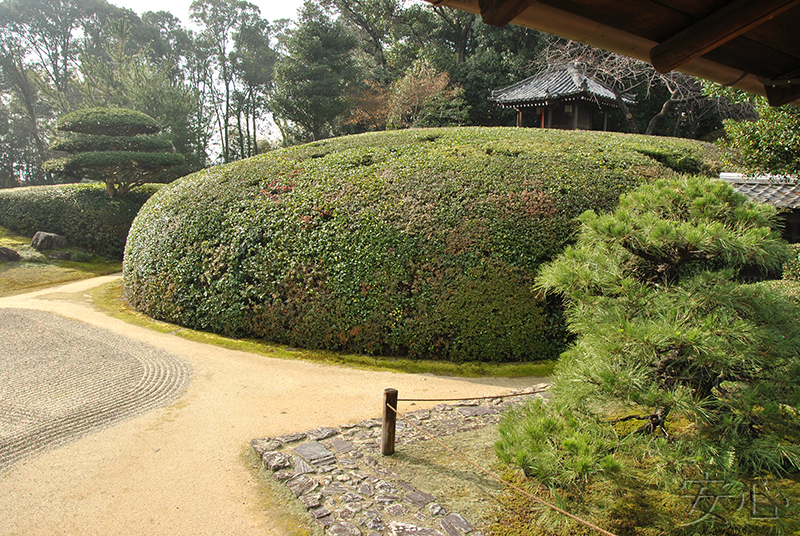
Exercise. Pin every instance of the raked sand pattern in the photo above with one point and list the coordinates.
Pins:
(58, 387)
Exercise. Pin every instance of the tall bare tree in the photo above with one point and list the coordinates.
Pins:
(683, 98)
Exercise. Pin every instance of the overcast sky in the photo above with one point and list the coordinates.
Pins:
(270, 9)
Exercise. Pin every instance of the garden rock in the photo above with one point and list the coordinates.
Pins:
(60, 255)
(42, 240)
(8, 255)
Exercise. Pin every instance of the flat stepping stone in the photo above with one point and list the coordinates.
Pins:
(350, 497)
(318, 434)
(343, 528)
(264, 444)
(386, 487)
(407, 529)
(301, 467)
(315, 454)
(366, 488)
(459, 522)
(276, 460)
(319, 513)
(311, 500)
(302, 484)
(396, 510)
(333, 490)
(370, 423)
(419, 498)
(478, 411)
(283, 475)
(291, 438)
(341, 446)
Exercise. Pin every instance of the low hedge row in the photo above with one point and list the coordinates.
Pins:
(419, 243)
(83, 213)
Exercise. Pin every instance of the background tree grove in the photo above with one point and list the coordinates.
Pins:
(237, 83)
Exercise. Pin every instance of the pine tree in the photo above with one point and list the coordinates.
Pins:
(113, 145)
(680, 368)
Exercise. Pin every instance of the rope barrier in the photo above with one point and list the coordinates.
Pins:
(470, 398)
(500, 479)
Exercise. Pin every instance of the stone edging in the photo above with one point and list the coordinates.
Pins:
(338, 476)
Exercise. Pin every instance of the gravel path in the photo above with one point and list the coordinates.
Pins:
(61, 379)
(176, 469)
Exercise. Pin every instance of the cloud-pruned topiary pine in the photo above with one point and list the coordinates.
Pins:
(115, 146)
(681, 369)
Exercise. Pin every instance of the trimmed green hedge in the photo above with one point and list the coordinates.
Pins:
(83, 144)
(83, 213)
(420, 243)
(109, 122)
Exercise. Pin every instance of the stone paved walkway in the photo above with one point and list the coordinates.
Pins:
(338, 476)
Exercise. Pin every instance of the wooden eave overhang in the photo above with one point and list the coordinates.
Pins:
(752, 45)
(552, 101)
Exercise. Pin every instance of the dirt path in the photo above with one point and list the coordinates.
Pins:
(178, 469)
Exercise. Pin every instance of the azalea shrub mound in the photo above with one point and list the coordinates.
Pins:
(419, 243)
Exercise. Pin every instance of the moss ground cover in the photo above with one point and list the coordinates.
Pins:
(109, 299)
(419, 244)
(35, 270)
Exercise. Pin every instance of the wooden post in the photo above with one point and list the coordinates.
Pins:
(389, 421)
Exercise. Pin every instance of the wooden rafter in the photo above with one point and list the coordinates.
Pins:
(715, 30)
(784, 90)
(501, 12)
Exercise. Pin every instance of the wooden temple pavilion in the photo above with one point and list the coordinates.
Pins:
(561, 97)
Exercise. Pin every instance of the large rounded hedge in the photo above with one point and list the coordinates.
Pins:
(420, 243)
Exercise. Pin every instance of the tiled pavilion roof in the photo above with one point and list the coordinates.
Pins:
(565, 82)
(779, 191)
